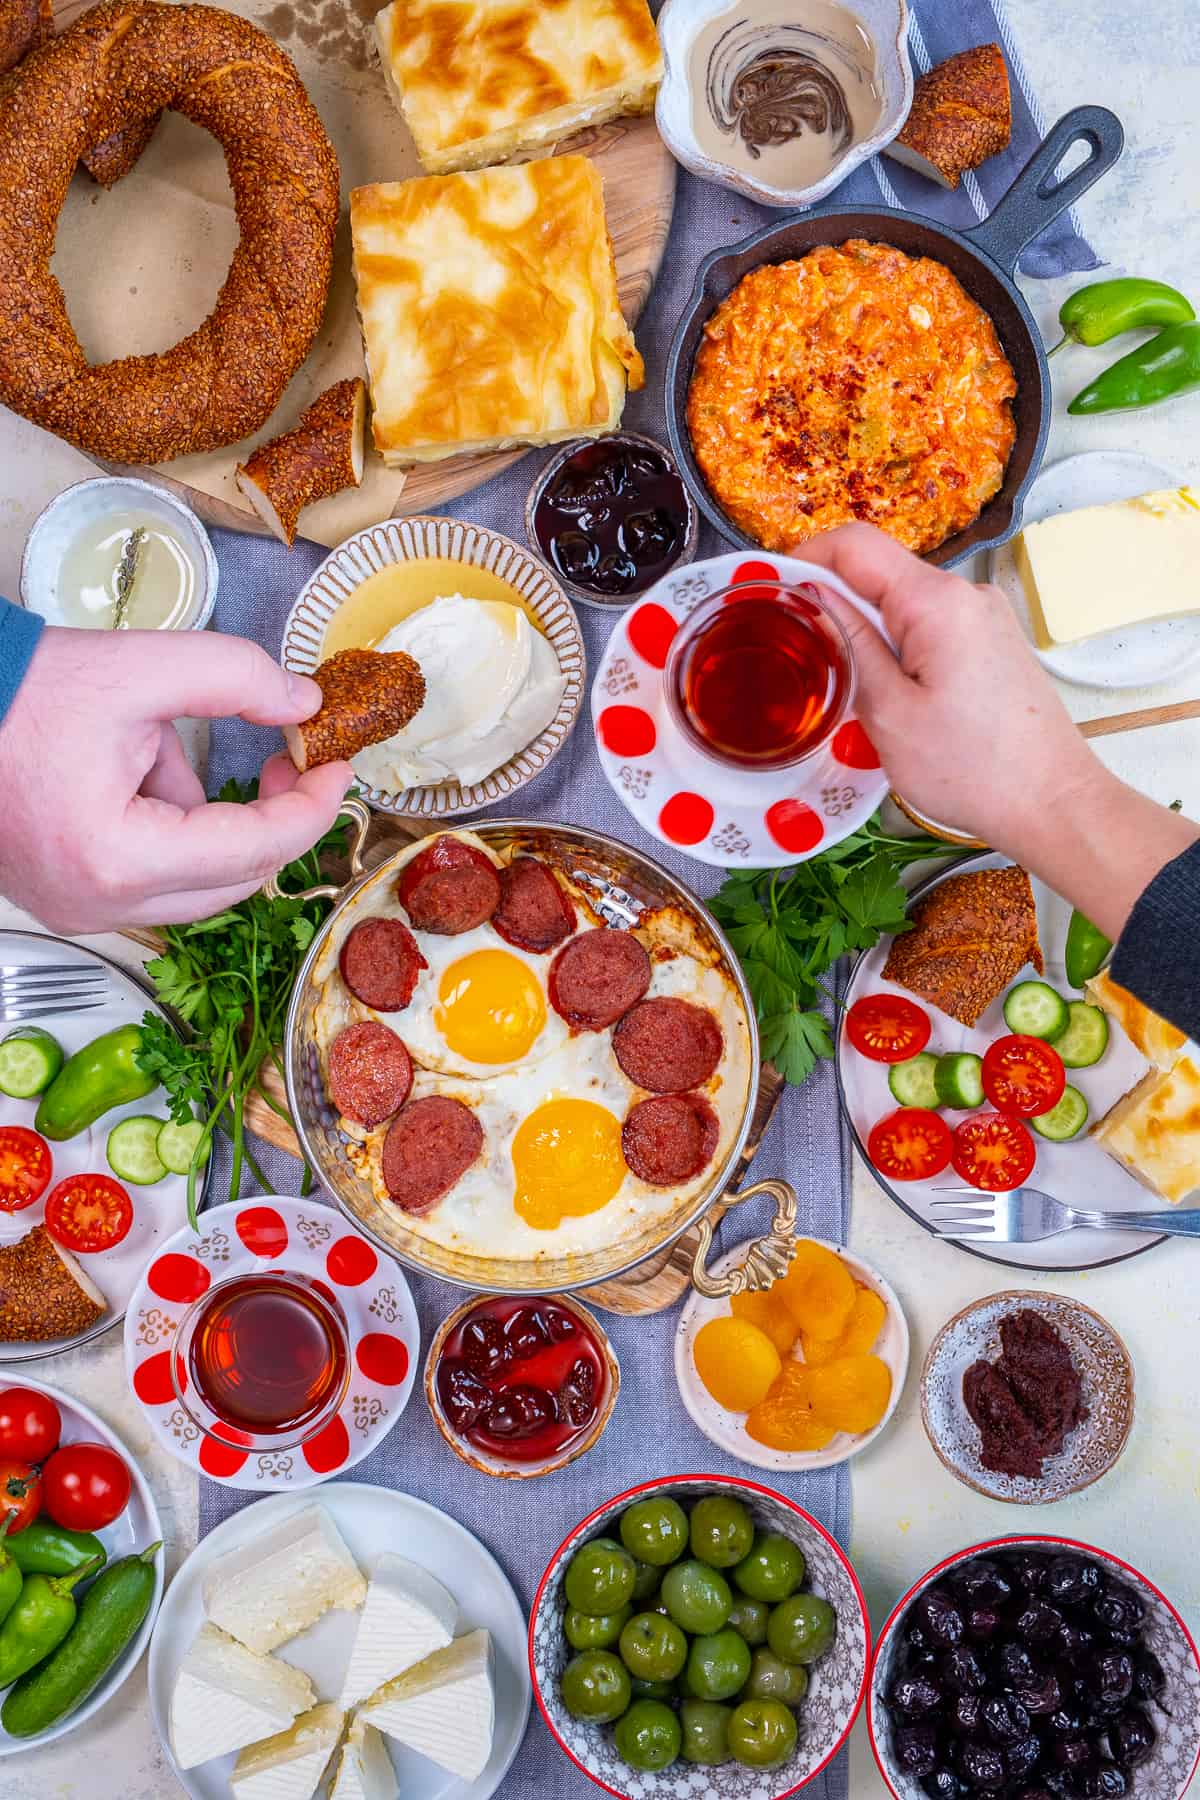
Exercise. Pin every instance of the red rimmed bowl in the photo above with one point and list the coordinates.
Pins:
(837, 1684)
(1167, 1773)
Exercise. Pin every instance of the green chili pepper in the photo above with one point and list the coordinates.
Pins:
(44, 1548)
(40, 1620)
(10, 1572)
(1163, 366)
(1105, 309)
(1087, 949)
(102, 1075)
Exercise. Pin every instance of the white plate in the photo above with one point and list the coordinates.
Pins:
(728, 1429)
(136, 1529)
(1081, 1173)
(157, 1210)
(1140, 655)
(372, 1520)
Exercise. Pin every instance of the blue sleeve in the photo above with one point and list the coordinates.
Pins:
(19, 633)
(1158, 955)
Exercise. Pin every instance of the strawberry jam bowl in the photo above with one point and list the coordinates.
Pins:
(521, 1385)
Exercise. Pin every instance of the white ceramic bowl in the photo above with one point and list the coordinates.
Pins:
(680, 23)
(727, 1430)
(837, 1682)
(414, 540)
(1168, 1772)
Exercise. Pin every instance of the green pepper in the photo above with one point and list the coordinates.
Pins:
(39, 1621)
(1087, 948)
(1163, 366)
(1105, 309)
(10, 1571)
(47, 1549)
(102, 1075)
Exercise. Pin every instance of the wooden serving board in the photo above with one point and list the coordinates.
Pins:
(163, 238)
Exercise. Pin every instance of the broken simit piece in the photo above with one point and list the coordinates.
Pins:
(961, 114)
(323, 455)
(368, 695)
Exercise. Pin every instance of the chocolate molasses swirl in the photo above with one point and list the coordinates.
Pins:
(776, 96)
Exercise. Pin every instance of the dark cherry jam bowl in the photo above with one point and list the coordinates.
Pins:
(611, 516)
(521, 1385)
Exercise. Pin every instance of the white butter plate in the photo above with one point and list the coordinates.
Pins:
(132, 1531)
(1135, 657)
(1079, 1172)
(371, 1520)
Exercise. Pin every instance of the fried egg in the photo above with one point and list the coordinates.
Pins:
(481, 1008)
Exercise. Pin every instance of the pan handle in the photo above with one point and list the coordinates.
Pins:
(1035, 198)
(360, 813)
(766, 1260)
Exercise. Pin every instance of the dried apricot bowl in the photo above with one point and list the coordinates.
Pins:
(724, 1374)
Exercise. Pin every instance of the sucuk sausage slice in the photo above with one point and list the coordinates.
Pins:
(534, 913)
(370, 1072)
(449, 888)
(597, 977)
(667, 1045)
(380, 962)
(429, 1146)
(668, 1139)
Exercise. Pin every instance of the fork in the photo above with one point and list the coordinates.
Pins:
(1025, 1214)
(47, 989)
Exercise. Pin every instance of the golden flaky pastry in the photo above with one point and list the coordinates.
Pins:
(1155, 1130)
(478, 80)
(1158, 1040)
(489, 310)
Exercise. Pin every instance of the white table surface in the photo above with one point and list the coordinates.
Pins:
(1143, 62)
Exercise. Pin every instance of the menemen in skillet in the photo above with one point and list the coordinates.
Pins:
(855, 383)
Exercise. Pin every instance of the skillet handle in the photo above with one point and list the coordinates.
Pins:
(1035, 198)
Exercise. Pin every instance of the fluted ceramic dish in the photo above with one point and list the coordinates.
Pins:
(419, 539)
(679, 25)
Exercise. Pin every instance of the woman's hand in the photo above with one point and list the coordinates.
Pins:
(105, 824)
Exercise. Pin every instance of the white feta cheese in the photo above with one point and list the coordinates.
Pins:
(365, 1771)
(290, 1765)
(226, 1696)
(282, 1581)
(444, 1707)
(408, 1615)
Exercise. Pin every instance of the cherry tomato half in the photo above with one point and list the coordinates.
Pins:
(20, 1493)
(887, 1028)
(86, 1213)
(993, 1152)
(1023, 1075)
(25, 1165)
(910, 1145)
(86, 1486)
(30, 1424)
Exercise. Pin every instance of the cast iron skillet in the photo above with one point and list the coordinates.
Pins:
(984, 259)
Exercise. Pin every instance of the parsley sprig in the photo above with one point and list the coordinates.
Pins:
(789, 927)
(230, 978)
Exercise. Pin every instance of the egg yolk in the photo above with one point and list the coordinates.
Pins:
(490, 1007)
(567, 1160)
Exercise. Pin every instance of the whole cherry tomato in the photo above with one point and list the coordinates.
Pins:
(85, 1486)
(887, 1028)
(30, 1424)
(20, 1493)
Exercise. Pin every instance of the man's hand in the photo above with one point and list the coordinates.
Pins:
(105, 824)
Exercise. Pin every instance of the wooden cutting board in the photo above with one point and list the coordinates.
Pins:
(162, 239)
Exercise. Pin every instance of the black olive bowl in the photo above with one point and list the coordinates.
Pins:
(1169, 1698)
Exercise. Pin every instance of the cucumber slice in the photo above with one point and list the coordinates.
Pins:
(132, 1150)
(912, 1082)
(29, 1060)
(177, 1146)
(1066, 1120)
(1034, 1010)
(1086, 1038)
(959, 1079)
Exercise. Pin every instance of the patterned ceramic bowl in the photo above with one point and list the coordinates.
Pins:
(1167, 1774)
(419, 539)
(1105, 1371)
(837, 1682)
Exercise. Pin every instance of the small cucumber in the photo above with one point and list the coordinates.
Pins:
(1034, 1009)
(959, 1080)
(912, 1082)
(1086, 1038)
(1087, 950)
(1066, 1120)
(177, 1146)
(110, 1614)
(132, 1150)
(29, 1060)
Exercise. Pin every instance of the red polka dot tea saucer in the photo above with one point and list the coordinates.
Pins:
(248, 1237)
(717, 814)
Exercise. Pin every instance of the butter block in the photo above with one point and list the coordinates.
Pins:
(1105, 567)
